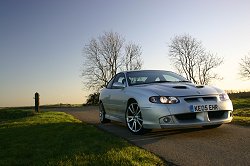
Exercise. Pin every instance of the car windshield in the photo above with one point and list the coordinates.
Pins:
(153, 76)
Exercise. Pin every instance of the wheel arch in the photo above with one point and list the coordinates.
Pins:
(130, 100)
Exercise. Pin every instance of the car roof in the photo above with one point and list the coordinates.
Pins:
(141, 71)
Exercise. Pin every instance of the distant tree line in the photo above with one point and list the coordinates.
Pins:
(237, 95)
(93, 99)
(109, 54)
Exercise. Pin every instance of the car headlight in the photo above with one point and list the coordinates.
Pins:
(223, 97)
(164, 99)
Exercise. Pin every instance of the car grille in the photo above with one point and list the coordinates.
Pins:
(191, 100)
(216, 114)
(188, 116)
(192, 117)
(198, 99)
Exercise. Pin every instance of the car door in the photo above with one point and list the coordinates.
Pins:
(117, 98)
(106, 93)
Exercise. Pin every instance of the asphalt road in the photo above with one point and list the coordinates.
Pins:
(226, 145)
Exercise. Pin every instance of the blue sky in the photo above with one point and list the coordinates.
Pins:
(41, 42)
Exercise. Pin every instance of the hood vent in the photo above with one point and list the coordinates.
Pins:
(180, 87)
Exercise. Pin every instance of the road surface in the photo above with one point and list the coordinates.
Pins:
(226, 145)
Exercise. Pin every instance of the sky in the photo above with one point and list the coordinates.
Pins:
(41, 42)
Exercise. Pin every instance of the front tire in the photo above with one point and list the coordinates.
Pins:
(102, 114)
(134, 119)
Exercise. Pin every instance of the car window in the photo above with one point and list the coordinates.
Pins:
(147, 77)
(109, 86)
(170, 78)
(119, 78)
(137, 80)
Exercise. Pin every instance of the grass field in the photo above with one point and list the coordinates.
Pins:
(241, 111)
(56, 138)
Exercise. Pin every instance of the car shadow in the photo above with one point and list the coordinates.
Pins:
(120, 129)
(156, 135)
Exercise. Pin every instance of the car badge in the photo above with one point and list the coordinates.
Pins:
(198, 92)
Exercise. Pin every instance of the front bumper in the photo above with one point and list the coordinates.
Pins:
(180, 115)
(198, 119)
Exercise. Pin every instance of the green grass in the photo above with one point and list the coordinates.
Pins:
(241, 103)
(56, 138)
(241, 111)
(244, 121)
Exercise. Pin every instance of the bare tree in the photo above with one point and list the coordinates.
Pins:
(105, 56)
(133, 59)
(190, 58)
(245, 67)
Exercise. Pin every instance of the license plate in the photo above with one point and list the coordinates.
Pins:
(205, 107)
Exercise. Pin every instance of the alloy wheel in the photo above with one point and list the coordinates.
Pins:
(102, 114)
(134, 118)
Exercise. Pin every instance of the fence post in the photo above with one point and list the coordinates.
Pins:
(37, 102)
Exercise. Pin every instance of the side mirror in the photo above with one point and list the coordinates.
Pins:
(118, 85)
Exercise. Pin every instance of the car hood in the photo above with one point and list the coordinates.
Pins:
(179, 89)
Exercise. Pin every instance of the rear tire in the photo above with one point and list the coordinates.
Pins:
(102, 114)
(211, 126)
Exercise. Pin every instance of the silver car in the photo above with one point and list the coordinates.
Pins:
(149, 99)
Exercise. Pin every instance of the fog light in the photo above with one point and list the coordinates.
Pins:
(167, 119)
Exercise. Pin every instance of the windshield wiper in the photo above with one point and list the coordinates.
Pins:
(159, 82)
(184, 81)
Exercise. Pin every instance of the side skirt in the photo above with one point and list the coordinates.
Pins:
(115, 118)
